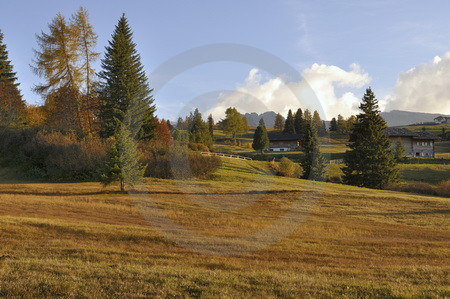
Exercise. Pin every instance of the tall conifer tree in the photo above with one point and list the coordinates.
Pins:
(289, 125)
(124, 92)
(298, 121)
(12, 106)
(369, 162)
(279, 123)
(260, 138)
(314, 162)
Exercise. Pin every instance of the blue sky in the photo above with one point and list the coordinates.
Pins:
(382, 40)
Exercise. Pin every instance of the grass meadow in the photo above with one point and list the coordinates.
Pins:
(80, 240)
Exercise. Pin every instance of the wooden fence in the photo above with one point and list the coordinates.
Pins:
(226, 156)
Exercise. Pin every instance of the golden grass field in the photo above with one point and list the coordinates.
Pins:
(79, 240)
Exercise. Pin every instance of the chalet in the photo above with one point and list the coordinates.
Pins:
(416, 144)
(442, 119)
(284, 142)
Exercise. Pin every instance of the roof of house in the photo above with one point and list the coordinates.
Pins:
(284, 137)
(402, 132)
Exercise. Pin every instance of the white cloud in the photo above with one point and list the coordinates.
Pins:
(259, 94)
(424, 88)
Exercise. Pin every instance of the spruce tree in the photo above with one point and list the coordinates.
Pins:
(279, 123)
(6, 69)
(12, 106)
(124, 92)
(341, 124)
(289, 125)
(298, 121)
(370, 162)
(199, 131)
(399, 152)
(123, 162)
(333, 124)
(314, 163)
(260, 138)
(211, 126)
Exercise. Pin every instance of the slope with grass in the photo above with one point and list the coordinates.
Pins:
(82, 240)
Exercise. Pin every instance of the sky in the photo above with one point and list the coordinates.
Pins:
(285, 54)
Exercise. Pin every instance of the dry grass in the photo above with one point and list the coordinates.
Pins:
(80, 240)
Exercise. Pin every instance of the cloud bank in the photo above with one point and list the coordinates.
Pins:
(319, 82)
(424, 88)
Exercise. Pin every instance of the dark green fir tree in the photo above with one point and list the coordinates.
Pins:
(12, 106)
(333, 125)
(199, 131)
(260, 138)
(125, 93)
(314, 163)
(298, 121)
(211, 126)
(122, 164)
(370, 162)
(289, 124)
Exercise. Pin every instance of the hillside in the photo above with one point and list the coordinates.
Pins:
(404, 118)
(82, 240)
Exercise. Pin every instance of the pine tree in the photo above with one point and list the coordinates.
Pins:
(333, 124)
(369, 162)
(298, 121)
(211, 126)
(12, 106)
(260, 138)
(279, 123)
(123, 162)
(319, 124)
(6, 68)
(314, 163)
(124, 92)
(199, 131)
(289, 125)
(341, 124)
(307, 116)
(399, 152)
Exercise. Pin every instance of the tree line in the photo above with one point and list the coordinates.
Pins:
(116, 104)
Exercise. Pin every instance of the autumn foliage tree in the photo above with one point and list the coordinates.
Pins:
(64, 59)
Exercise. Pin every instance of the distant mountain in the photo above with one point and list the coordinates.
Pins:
(404, 118)
(269, 118)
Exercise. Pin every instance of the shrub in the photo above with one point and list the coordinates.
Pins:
(413, 187)
(177, 162)
(52, 155)
(287, 168)
(443, 188)
(198, 147)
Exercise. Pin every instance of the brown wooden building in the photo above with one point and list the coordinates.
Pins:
(284, 142)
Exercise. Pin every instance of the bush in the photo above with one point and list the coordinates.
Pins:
(287, 168)
(198, 147)
(443, 189)
(413, 187)
(52, 155)
(178, 162)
